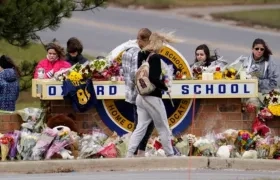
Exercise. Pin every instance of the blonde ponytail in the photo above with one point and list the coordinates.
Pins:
(158, 39)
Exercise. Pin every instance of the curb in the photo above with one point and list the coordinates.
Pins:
(244, 164)
(93, 165)
(135, 164)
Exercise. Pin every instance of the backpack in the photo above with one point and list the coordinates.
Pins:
(142, 81)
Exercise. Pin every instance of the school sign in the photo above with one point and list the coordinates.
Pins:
(117, 114)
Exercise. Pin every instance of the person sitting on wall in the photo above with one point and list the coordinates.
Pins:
(261, 65)
(202, 59)
(202, 55)
(9, 83)
(53, 63)
(74, 51)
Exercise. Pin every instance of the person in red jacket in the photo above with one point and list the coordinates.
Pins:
(54, 61)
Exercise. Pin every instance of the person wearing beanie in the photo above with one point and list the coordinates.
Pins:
(9, 84)
(54, 61)
(74, 52)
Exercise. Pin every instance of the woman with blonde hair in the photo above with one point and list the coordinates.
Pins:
(150, 107)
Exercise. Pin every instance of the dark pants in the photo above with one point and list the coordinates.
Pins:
(143, 143)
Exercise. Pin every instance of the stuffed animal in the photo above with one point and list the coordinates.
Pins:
(61, 122)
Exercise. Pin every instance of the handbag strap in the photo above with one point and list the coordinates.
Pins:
(148, 58)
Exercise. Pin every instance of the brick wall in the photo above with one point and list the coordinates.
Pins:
(85, 121)
(9, 122)
(213, 115)
(220, 114)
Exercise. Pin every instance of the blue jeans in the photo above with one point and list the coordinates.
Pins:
(150, 129)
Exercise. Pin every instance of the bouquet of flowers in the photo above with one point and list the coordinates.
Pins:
(43, 143)
(13, 149)
(33, 119)
(113, 71)
(6, 142)
(98, 136)
(206, 145)
(218, 73)
(232, 71)
(272, 101)
(219, 63)
(61, 75)
(27, 142)
(230, 136)
(100, 69)
(263, 147)
(197, 70)
(109, 151)
(183, 146)
(75, 76)
(220, 139)
(167, 73)
(122, 144)
(245, 140)
(98, 65)
(62, 140)
(88, 146)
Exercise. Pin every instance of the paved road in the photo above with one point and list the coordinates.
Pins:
(217, 9)
(106, 28)
(154, 175)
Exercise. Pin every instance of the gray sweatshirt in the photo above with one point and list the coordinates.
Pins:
(266, 71)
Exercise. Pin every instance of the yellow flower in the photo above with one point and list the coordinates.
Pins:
(230, 74)
(274, 109)
(218, 75)
(75, 76)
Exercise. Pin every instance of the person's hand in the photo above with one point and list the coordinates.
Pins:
(168, 90)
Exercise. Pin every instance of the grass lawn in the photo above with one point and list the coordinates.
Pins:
(186, 3)
(268, 17)
(35, 52)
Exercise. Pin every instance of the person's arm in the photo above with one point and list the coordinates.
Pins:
(42, 64)
(133, 69)
(39, 65)
(140, 58)
(269, 83)
(129, 64)
(155, 72)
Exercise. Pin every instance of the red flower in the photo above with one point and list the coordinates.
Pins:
(218, 68)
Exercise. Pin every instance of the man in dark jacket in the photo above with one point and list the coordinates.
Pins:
(74, 51)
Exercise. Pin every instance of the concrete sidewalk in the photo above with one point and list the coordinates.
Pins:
(136, 164)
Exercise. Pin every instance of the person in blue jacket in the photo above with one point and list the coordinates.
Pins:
(9, 84)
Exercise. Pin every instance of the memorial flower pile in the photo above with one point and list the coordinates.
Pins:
(27, 144)
(272, 101)
(97, 69)
(228, 144)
